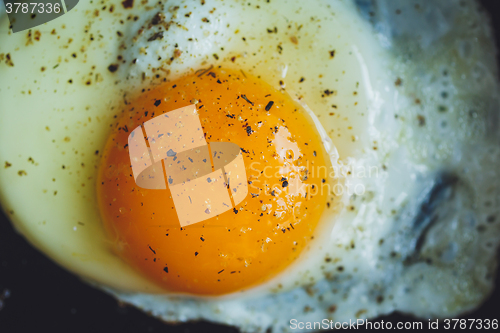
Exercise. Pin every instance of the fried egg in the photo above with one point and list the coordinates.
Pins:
(390, 125)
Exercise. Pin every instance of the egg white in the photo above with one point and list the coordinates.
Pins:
(53, 129)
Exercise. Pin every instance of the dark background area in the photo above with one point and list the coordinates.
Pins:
(37, 295)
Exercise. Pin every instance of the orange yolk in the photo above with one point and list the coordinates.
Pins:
(241, 247)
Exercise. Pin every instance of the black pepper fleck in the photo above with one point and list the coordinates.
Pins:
(269, 105)
(113, 68)
(158, 35)
(127, 4)
(246, 99)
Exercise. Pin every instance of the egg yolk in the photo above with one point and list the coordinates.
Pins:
(243, 246)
